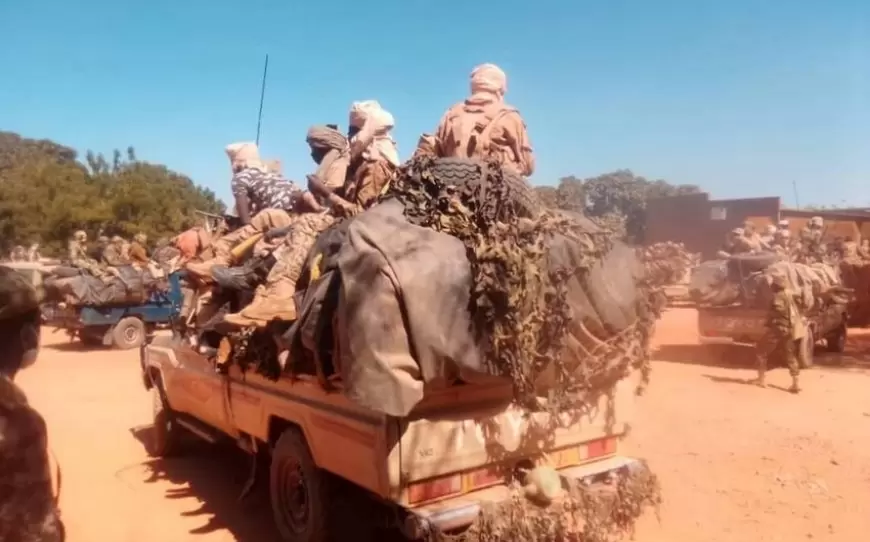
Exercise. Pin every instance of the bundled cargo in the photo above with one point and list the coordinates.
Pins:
(461, 274)
(669, 263)
(131, 286)
(745, 280)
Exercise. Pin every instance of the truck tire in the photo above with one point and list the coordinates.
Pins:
(299, 491)
(129, 333)
(807, 350)
(465, 171)
(166, 434)
(836, 340)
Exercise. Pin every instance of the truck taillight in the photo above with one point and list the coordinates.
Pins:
(599, 448)
(485, 477)
(434, 489)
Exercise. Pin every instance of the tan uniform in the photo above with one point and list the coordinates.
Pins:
(482, 128)
(261, 223)
(138, 254)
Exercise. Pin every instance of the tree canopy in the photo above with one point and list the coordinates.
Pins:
(617, 199)
(46, 194)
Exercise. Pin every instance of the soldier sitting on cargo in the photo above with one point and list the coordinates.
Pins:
(767, 240)
(782, 243)
(79, 257)
(736, 243)
(864, 249)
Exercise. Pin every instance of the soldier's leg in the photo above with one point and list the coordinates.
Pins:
(791, 351)
(223, 247)
(763, 350)
(275, 298)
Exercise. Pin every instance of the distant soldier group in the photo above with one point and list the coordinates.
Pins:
(809, 247)
(104, 259)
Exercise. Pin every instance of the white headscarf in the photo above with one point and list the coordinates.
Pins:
(244, 155)
(375, 124)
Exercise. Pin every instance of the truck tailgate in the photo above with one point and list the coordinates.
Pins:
(738, 324)
(475, 435)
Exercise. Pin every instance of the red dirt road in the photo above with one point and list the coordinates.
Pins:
(737, 463)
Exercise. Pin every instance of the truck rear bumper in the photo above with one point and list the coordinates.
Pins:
(462, 511)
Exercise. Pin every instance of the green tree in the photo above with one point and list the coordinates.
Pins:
(617, 200)
(46, 195)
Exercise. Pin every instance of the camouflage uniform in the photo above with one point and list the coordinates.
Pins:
(28, 511)
(112, 256)
(812, 246)
(784, 332)
(371, 173)
(78, 255)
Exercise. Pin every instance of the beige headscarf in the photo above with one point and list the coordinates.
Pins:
(244, 155)
(273, 166)
(488, 79)
(375, 124)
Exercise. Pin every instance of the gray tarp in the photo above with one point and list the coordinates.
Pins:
(401, 297)
(133, 287)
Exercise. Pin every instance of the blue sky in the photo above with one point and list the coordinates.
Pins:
(742, 97)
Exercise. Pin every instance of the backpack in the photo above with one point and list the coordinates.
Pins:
(470, 128)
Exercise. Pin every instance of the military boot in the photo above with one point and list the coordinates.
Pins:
(272, 301)
(795, 387)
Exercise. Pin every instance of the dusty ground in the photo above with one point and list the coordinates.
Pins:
(737, 463)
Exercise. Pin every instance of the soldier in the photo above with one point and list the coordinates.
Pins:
(18, 254)
(813, 248)
(138, 252)
(33, 254)
(79, 257)
(767, 239)
(735, 243)
(374, 167)
(425, 146)
(28, 508)
(484, 125)
(752, 237)
(864, 249)
(112, 253)
(784, 331)
(264, 201)
(781, 243)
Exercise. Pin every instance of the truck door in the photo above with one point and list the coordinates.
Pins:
(201, 390)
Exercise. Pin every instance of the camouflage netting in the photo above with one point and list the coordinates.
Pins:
(584, 513)
(519, 301)
(669, 263)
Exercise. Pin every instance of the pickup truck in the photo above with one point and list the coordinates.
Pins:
(744, 326)
(460, 448)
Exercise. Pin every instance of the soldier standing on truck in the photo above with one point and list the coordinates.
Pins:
(813, 250)
(784, 332)
(28, 508)
(484, 126)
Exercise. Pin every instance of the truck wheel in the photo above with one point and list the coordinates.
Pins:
(129, 333)
(836, 340)
(166, 434)
(299, 491)
(807, 350)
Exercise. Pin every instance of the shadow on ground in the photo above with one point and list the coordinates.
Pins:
(214, 476)
(76, 346)
(707, 355)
